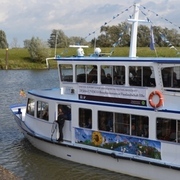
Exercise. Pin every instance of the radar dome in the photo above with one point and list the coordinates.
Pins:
(97, 51)
(80, 52)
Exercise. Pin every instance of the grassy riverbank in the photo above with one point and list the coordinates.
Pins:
(19, 58)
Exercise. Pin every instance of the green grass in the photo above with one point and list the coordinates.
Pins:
(20, 58)
(124, 52)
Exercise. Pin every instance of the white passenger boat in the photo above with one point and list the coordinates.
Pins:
(120, 113)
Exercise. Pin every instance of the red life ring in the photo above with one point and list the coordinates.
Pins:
(161, 99)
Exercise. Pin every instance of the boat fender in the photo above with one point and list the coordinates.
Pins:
(161, 99)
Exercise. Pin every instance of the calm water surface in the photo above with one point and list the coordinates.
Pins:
(17, 154)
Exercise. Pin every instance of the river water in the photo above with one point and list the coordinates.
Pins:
(17, 154)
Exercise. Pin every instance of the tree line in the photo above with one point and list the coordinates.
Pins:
(116, 35)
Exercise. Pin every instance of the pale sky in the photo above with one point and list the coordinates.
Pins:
(23, 19)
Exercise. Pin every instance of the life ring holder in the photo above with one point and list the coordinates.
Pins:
(161, 99)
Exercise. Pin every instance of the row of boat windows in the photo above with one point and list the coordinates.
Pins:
(128, 124)
(42, 110)
(116, 122)
(138, 75)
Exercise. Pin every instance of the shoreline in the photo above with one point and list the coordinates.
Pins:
(5, 174)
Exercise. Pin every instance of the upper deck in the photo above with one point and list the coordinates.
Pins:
(123, 80)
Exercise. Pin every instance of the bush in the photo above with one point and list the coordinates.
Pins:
(38, 50)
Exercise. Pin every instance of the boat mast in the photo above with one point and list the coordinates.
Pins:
(133, 43)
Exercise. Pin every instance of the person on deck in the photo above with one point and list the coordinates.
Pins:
(60, 121)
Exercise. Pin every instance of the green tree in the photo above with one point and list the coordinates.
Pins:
(3, 41)
(143, 37)
(111, 35)
(104, 39)
(27, 43)
(75, 40)
(38, 49)
(119, 35)
(58, 39)
(174, 37)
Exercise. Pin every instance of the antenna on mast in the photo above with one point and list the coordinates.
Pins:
(94, 43)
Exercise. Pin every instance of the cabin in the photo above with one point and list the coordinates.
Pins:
(113, 95)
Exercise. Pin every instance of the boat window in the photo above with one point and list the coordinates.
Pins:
(92, 75)
(66, 110)
(171, 77)
(81, 73)
(113, 75)
(86, 73)
(132, 124)
(141, 76)
(85, 118)
(166, 129)
(42, 110)
(123, 123)
(66, 72)
(30, 106)
(105, 121)
(139, 125)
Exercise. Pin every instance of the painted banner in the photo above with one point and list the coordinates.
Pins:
(119, 142)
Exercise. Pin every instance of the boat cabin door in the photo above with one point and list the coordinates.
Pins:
(64, 120)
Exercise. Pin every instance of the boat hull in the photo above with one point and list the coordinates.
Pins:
(79, 154)
(125, 166)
